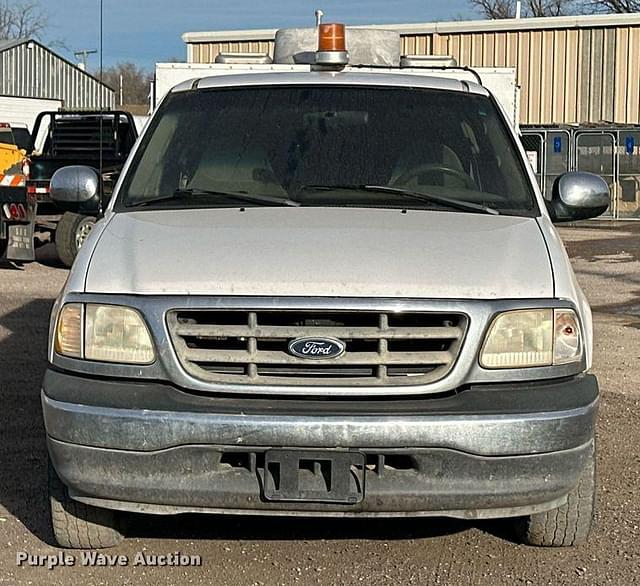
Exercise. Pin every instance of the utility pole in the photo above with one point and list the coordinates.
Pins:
(84, 54)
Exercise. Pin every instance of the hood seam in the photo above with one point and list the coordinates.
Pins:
(546, 247)
(95, 247)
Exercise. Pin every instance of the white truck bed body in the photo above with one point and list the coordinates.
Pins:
(501, 82)
(24, 110)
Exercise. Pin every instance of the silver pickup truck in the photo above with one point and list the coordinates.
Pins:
(326, 293)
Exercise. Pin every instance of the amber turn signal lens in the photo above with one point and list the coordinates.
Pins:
(331, 37)
(68, 341)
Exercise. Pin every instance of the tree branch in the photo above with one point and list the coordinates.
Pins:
(22, 19)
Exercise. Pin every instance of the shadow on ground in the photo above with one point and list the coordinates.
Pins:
(46, 255)
(23, 453)
(616, 239)
(265, 528)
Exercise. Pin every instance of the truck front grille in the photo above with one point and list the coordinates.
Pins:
(251, 347)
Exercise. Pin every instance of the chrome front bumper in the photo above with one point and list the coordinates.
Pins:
(484, 452)
(495, 435)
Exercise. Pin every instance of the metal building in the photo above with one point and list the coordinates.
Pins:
(30, 70)
(572, 70)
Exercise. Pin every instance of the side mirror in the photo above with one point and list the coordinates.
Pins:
(76, 188)
(578, 196)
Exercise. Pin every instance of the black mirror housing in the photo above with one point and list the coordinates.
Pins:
(77, 188)
(578, 196)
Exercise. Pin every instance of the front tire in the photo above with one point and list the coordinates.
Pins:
(79, 526)
(71, 232)
(569, 524)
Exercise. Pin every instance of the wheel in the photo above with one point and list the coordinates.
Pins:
(79, 526)
(569, 524)
(71, 233)
(3, 247)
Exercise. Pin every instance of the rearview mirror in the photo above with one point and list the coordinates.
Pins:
(76, 189)
(578, 196)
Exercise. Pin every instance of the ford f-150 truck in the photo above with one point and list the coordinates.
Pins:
(336, 292)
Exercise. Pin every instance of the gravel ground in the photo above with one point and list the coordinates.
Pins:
(247, 551)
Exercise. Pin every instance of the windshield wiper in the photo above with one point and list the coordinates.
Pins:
(467, 206)
(247, 197)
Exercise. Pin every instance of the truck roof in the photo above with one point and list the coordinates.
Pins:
(385, 77)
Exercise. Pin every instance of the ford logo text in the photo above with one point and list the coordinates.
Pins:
(317, 348)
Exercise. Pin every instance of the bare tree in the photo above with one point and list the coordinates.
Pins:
(135, 82)
(495, 9)
(507, 8)
(21, 19)
(550, 7)
(535, 8)
(618, 6)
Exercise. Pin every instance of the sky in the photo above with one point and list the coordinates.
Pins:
(148, 31)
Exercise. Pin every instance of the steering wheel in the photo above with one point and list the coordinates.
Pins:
(414, 173)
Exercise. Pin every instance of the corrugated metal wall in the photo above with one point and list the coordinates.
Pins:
(567, 75)
(30, 70)
(207, 52)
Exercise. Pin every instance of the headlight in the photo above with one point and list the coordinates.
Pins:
(69, 331)
(105, 333)
(532, 337)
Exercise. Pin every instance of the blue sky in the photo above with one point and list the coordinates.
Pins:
(147, 31)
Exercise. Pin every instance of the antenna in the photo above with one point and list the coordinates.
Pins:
(101, 108)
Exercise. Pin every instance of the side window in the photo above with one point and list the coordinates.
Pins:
(500, 162)
(533, 144)
(157, 169)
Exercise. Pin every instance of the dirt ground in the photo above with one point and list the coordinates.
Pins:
(246, 551)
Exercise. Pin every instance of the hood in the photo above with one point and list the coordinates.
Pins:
(343, 252)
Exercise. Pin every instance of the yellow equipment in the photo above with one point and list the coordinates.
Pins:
(12, 159)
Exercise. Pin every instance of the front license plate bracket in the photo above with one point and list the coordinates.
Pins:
(314, 476)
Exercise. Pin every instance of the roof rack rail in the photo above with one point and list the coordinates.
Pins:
(428, 61)
(447, 68)
(243, 59)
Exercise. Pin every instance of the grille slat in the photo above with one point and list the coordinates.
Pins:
(235, 356)
(208, 331)
(251, 347)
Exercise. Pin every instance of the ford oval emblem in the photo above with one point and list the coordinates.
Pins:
(317, 348)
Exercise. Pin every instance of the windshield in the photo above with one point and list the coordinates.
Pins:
(328, 146)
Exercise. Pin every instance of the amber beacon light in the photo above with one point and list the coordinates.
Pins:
(332, 45)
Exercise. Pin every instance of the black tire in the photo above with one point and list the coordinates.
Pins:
(79, 526)
(3, 247)
(569, 524)
(71, 231)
